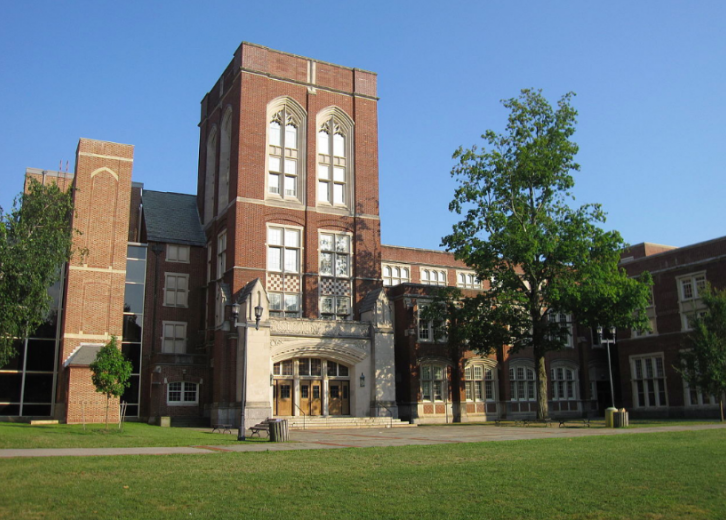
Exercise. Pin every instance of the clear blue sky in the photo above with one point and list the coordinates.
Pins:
(650, 79)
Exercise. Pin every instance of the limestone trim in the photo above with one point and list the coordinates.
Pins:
(299, 207)
(349, 352)
(319, 328)
(104, 169)
(89, 154)
(308, 85)
(97, 269)
(99, 337)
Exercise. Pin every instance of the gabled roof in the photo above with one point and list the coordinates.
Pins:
(172, 218)
(369, 300)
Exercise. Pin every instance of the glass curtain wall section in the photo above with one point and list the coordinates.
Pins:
(133, 323)
(28, 381)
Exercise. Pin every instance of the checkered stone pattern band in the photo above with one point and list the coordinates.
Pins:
(277, 283)
(331, 286)
(292, 283)
(274, 282)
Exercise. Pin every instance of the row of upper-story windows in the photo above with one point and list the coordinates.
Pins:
(285, 157)
(395, 274)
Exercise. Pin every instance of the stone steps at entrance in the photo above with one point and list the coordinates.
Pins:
(327, 423)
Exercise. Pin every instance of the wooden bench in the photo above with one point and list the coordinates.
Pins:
(563, 422)
(222, 428)
(264, 426)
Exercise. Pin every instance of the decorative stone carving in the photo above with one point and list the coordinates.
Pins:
(319, 328)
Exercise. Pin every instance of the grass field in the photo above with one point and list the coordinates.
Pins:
(650, 476)
(17, 435)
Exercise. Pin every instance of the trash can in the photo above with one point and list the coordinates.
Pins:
(609, 412)
(620, 419)
(279, 430)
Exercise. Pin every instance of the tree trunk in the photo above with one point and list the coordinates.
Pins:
(108, 402)
(720, 402)
(541, 370)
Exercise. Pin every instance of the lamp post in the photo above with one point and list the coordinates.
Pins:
(235, 315)
(607, 342)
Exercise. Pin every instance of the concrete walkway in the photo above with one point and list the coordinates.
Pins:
(365, 438)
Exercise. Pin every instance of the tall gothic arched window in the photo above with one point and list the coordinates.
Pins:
(209, 173)
(335, 164)
(224, 160)
(285, 150)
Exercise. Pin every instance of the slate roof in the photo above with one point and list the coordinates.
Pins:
(84, 356)
(172, 218)
(369, 301)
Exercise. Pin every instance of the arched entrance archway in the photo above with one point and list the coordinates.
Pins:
(310, 386)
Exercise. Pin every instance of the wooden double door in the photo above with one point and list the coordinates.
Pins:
(311, 397)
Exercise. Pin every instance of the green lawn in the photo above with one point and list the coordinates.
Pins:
(650, 476)
(17, 435)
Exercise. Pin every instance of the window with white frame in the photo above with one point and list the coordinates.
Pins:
(690, 289)
(335, 140)
(565, 322)
(221, 254)
(225, 148)
(396, 274)
(177, 253)
(174, 340)
(285, 145)
(521, 383)
(467, 280)
(429, 330)
(182, 392)
(430, 276)
(650, 312)
(283, 263)
(433, 382)
(335, 271)
(648, 377)
(695, 397)
(176, 289)
(564, 383)
(479, 382)
(210, 171)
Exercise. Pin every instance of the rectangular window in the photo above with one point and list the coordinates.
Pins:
(283, 258)
(691, 287)
(176, 289)
(177, 253)
(182, 393)
(431, 276)
(221, 254)
(565, 322)
(396, 274)
(467, 280)
(430, 330)
(648, 378)
(335, 272)
(174, 340)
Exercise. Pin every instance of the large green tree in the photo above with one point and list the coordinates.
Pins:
(703, 364)
(110, 372)
(521, 233)
(35, 241)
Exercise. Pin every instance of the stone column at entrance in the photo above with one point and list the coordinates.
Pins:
(253, 356)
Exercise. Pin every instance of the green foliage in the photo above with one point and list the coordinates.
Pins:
(35, 241)
(520, 233)
(703, 365)
(110, 372)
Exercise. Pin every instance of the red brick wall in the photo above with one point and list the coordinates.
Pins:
(95, 282)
